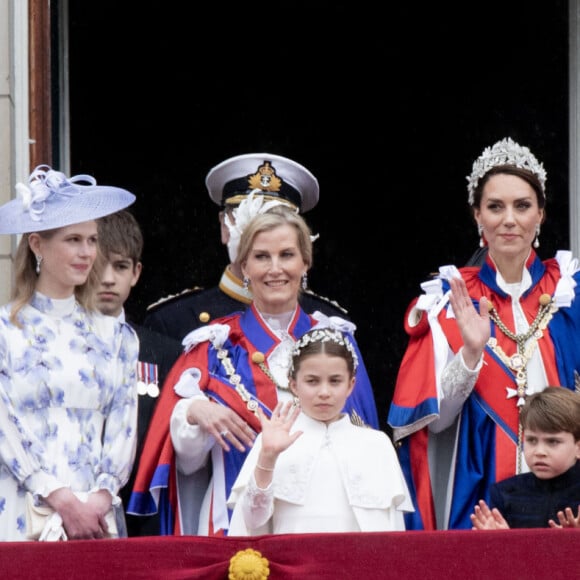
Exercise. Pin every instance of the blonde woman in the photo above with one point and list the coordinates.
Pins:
(68, 386)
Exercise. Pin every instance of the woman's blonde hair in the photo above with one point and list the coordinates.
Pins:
(273, 218)
(25, 278)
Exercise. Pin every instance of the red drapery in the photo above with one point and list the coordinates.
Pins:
(509, 555)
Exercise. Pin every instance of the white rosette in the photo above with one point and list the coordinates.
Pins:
(333, 322)
(188, 384)
(564, 293)
(217, 334)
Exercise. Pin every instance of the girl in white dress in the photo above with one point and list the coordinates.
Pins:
(68, 386)
(311, 469)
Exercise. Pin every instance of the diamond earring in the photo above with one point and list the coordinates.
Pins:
(480, 232)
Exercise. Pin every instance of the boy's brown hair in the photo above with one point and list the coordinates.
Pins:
(553, 410)
(120, 233)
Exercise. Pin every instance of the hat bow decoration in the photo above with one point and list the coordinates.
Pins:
(49, 200)
(45, 182)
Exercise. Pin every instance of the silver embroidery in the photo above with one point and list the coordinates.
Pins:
(457, 381)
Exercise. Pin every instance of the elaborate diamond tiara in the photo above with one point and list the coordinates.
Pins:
(504, 152)
(324, 335)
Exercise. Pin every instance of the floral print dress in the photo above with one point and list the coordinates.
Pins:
(68, 405)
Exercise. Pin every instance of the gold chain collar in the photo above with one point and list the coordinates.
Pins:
(518, 362)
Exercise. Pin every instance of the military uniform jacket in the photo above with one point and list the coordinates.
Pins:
(157, 353)
(526, 501)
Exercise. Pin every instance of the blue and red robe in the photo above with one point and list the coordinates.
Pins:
(488, 426)
(156, 475)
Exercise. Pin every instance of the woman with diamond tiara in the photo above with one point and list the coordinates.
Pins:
(208, 411)
(68, 381)
(310, 469)
(481, 339)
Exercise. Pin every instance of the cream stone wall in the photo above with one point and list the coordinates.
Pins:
(14, 142)
(6, 109)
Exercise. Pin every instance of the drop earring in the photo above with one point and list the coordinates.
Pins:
(38, 262)
(537, 240)
(304, 281)
(480, 232)
(246, 283)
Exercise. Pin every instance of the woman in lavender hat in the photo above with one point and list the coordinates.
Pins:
(68, 387)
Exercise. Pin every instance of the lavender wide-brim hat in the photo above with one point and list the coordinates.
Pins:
(52, 200)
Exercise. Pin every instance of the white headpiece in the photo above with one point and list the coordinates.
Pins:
(504, 152)
(324, 335)
(250, 207)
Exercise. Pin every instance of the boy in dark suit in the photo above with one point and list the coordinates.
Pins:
(121, 243)
(549, 494)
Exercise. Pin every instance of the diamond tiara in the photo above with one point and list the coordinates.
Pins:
(504, 152)
(324, 335)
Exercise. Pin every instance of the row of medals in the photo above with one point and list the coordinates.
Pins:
(148, 383)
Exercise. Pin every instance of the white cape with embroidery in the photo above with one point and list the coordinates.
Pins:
(335, 478)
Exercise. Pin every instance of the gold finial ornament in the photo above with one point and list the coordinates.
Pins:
(545, 299)
(258, 357)
(204, 317)
(248, 565)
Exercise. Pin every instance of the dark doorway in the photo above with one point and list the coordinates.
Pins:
(387, 111)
